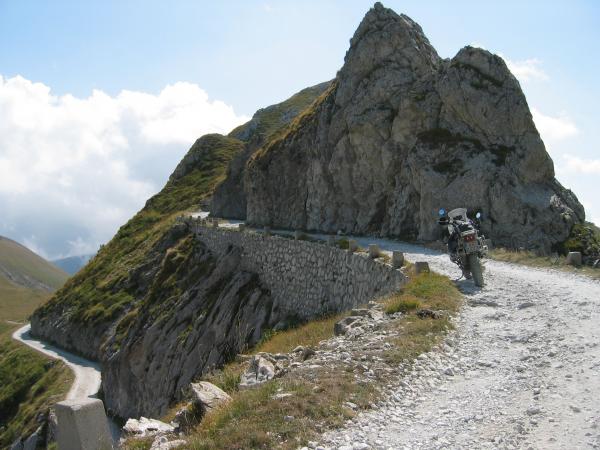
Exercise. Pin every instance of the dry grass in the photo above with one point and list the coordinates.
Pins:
(528, 258)
(309, 334)
(426, 290)
(255, 420)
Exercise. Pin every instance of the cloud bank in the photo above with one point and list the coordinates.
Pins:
(73, 170)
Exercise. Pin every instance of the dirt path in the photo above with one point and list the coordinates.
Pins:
(522, 369)
(87, 373)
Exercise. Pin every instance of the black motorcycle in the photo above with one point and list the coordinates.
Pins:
(466, 245)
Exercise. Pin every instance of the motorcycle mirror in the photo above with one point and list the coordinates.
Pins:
(478, 215)
(442, 212)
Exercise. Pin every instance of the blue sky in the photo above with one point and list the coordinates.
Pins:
(71, 59)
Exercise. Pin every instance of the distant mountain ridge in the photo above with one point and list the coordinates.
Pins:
(72, 264)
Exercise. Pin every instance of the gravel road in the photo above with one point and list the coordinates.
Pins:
(521, 370)
(87, 373)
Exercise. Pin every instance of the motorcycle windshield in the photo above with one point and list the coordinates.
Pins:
(458, 214)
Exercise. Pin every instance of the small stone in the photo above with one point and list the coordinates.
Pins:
(449, 371)
(288, 418)
(575, 409)
(533, 411)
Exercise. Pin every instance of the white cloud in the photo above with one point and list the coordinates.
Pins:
(72, 170)
(526, 70)
(582, 165)
(555, 128)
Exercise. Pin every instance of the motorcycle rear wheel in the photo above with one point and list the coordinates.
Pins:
(476, 270)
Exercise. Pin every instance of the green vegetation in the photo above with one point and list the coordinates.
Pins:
(426, 290)
(270, 120)
(99, 293)
(22, 262)
(29, 385)
(17, 302)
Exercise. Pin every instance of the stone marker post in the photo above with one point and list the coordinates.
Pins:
(574, 259)
(397, 259)
(241, 227)
(267, 231)
(297, 235)
(352, 245)
(82, 425)
(331, 241)
(374, 251)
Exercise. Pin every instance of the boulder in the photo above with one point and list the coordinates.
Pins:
(259, 370)
(144, 427)
(342, 327)
(207, 396)
(374, 251)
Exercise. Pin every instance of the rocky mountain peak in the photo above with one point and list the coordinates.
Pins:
(385, 41)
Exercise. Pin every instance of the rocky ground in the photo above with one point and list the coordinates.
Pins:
(522, 369)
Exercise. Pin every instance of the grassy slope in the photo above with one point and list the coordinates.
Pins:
(29, 384)
(96, 293)
(255, 420)
(16, 258)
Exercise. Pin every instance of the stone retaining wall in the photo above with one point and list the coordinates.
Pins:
(306, 279)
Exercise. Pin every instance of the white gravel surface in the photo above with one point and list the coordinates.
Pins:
(87, 373)
(522, 369)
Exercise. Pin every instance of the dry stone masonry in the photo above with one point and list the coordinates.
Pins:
(306, 279)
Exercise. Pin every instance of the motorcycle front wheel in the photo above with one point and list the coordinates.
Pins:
(476, 270)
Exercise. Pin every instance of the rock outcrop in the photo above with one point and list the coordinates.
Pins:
(402, 132)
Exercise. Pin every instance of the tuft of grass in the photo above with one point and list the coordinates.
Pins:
(402, 303)
(426, 290)
(308, 334)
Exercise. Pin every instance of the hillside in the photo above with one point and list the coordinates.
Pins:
(24, 268)
(26, 280)
(135, 280)
(29, 382)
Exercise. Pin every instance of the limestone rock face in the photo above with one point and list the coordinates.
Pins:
(200, 311)
(399, 134)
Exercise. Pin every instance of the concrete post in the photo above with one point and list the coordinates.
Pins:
(331, 240)
(574, 259)
(241, 227)
(352, 245)
(267, 231)
(374, 251)
(397, 259)
(297, 235)
(82, 425)
(421, 266)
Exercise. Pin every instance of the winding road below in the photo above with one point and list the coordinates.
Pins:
(87, 373)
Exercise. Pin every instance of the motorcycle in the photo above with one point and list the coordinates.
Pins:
(466, 244)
